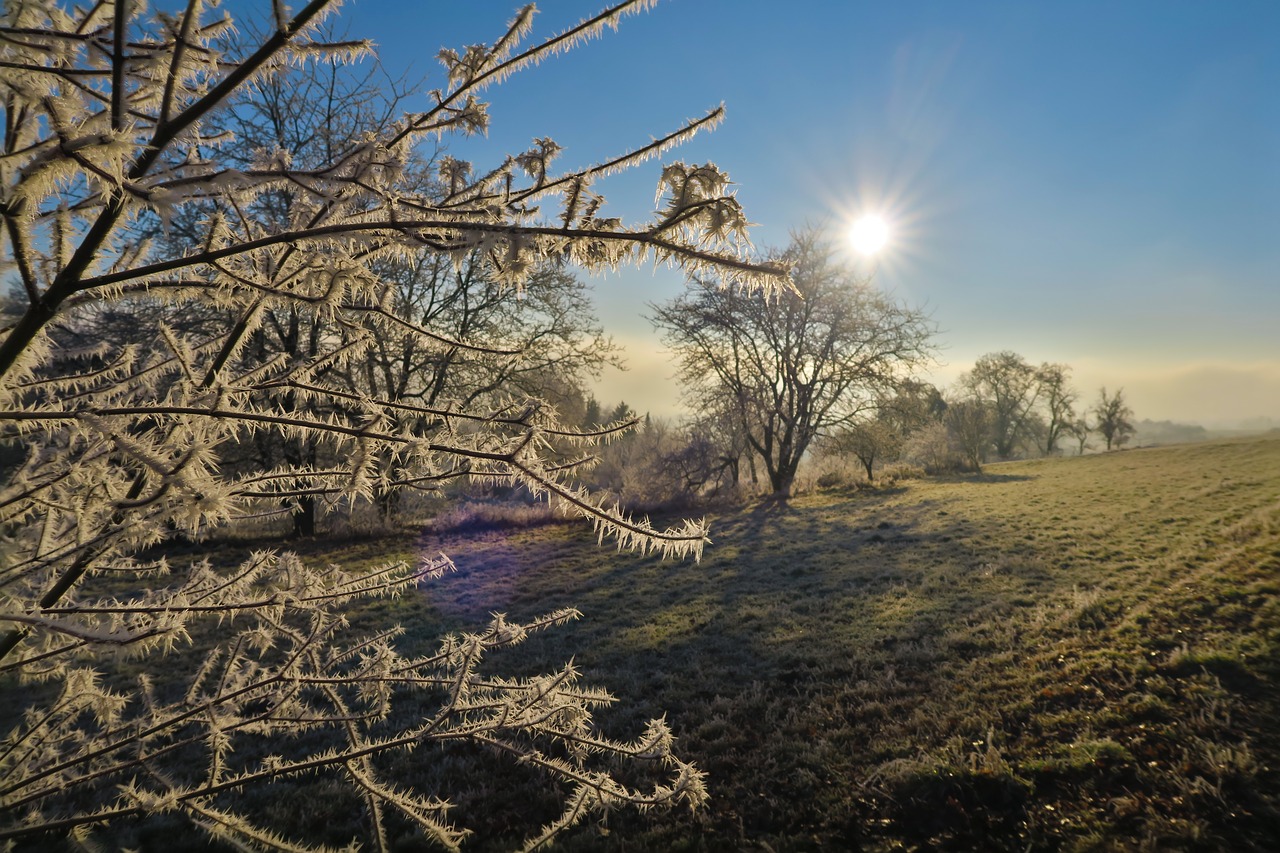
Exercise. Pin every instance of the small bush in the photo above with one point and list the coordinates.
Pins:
(831, 480)
(898, 472)
(933, 449)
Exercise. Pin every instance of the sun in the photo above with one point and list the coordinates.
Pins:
(869, 234)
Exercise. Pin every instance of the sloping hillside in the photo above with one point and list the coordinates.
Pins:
(1079, 653)
(1071, 653)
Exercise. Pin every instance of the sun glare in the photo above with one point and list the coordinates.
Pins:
(869, 234)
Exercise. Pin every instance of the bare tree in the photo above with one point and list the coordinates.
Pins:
(659, 465)
(870, 441)
(1114, 418)
(312, 113)
(1059, 403)
(970, 422)
(108, 123)
(315, 113)
(716, 433)
(1080, 429)
(883, 436)
(1011, 388)
(543, 345)
(789, 371)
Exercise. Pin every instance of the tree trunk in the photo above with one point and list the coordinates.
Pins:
(388, 503)
(304, 518)
(781, 480)
(781, 488)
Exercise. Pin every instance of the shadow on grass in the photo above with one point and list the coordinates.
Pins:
(954, 668)
(840, 671)
(986, 477)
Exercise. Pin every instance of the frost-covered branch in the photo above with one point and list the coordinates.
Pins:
(218, 317)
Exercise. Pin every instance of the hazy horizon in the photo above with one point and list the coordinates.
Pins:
(1215, 396)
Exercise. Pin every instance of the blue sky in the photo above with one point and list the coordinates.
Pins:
(1089, 183)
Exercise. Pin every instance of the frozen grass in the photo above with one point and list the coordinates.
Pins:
(1076, 653)
(1068, 654)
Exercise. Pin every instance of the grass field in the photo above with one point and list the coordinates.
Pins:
(1077, 654)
